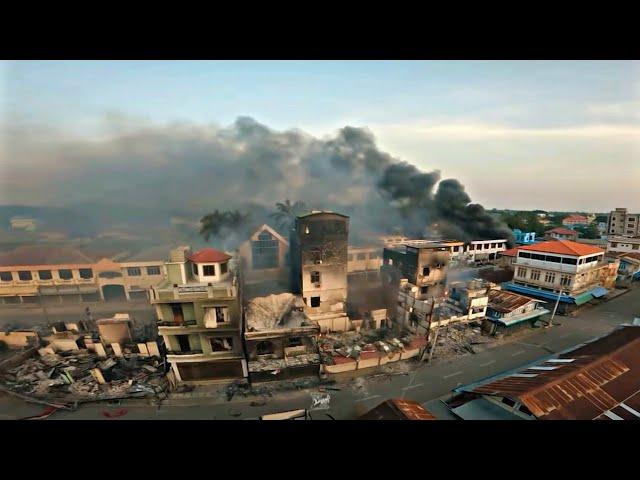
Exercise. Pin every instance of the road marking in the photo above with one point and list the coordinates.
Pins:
(517, 353)
(412, 386)
(453, 374)
(367, 398)
(487, 363)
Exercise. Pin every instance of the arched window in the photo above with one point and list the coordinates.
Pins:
(264, 251)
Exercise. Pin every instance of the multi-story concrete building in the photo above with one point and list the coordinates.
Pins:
(423, 263)
(572, 271)
(623, 244)
(623, 223)
(56, 275)
(575, 221)
(364, 262)
(200, 316)
(318, 246)
(483, 250)
(560, 233)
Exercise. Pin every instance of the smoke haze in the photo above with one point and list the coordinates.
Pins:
(143, 173)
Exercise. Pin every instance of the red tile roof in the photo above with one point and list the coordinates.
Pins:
(562, 231)
(563, 247)
(209, 255)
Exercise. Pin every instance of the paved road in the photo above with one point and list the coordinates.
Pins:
(424, 384)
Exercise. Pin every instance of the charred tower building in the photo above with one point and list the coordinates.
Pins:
(318, 249)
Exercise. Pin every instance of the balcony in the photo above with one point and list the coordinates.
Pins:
(192, 292)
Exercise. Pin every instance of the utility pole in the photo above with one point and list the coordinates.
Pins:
(553, 314)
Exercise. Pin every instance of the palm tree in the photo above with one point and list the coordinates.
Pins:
(212, 223)
(286, 213)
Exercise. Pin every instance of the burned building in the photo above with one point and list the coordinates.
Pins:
(281, 341)
(318, 247)
(423, 263)
(199, 316)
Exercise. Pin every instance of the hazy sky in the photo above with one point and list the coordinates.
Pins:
(561, 135)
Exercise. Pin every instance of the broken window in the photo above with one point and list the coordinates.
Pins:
(183, 341)
(264, 251)
(86, 273)
(426, 271)
(178, 316)
(224, 267)
(224, 344)
(45, 274)
(424, 290)
(215, 315)
(209, 270)
(315, 301)
(264, 348)
(24, 275)
(315, 277)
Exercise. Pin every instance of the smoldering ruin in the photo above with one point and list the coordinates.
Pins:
(187, 169)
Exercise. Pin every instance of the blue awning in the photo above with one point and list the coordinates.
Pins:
(582, 298)
(507, 322)
(534, 292)
(599, 292)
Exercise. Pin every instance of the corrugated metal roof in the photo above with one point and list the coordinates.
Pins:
(506, 302)
(398, 409)
(603, 374)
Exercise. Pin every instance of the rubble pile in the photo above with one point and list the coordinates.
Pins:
(80, 376)
(459, 339)
(274, 311)
(244, 390)
(353, 344)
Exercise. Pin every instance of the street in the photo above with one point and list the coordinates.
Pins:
(424, 384)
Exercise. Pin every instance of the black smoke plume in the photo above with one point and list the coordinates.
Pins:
(187, 170)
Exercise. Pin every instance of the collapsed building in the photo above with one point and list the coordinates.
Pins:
(200, 318)
(281, 341)
(79, 362)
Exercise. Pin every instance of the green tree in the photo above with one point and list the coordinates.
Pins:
(286, 212)
(213, 223)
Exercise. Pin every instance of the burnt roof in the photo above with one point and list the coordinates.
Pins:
(586, 383)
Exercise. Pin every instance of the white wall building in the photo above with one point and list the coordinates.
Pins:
(623, 244)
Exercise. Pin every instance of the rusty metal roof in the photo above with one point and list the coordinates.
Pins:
(592, 381)
(398, 409)
(506, 302)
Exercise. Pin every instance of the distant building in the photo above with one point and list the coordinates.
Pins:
(508, 311)
(23, 223)
(622, 223)
(58, 275)
(602, 228)
(364, 262)
(572, 271)
(484, 250)
(623, 244)
(265, 256)
(523, 238)
(200, 318)
(599, 380)
(561, 234)
(573, 221)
